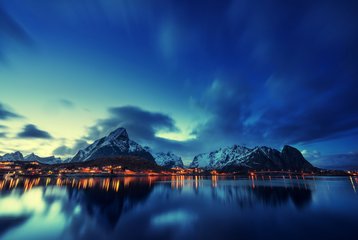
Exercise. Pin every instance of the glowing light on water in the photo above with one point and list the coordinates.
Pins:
(179, 218)
(353, 186)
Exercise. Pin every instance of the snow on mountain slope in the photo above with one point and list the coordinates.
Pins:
(46, 160)
(18, 156)
(15, 156)
(219, 158)
(168, 159)
(117, 143)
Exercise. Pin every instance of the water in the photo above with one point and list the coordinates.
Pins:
(179, 208)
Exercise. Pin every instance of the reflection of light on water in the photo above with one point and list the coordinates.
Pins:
(196, 182)
(28, 184)
(30, 202)
(252, 181)
(353, 186)
(179, 218)
(46, 219)
(116, 185)
(80, 183)
(287, 182)
(214, 181)
(48, 180)
(177, 182)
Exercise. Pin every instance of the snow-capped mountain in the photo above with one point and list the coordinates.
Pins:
(47, 160)
(168, 160)
(219, 158)
(15, 156)
(243, 158)
(117, 143)
(18, 156)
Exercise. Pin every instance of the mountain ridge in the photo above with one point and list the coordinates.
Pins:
(232, 158)
(258, 158)
(18, 156)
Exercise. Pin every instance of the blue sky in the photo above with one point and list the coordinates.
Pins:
(181, 76)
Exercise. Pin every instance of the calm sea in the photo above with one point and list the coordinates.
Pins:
(179, 208)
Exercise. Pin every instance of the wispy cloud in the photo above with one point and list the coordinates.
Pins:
(11, 30)
(66, 103)
(6, 114)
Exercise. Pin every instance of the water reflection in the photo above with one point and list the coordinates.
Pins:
(161, 207)
(9, 222)
(280, 195)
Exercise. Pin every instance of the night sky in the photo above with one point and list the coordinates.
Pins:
(182, 76)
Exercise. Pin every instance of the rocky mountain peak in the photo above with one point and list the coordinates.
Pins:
(117, 143)
(118, 134)
(15, 156)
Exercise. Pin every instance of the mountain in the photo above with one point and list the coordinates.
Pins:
(293, 159)
(167, 160)
(238, 158)
(18, 156)
(15, 156)
(116, 144)
(219, 158)
(47, 160)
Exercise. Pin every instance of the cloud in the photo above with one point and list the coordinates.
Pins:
(66, 103)
(227, 107)
(311, 154)
(31, 131)
(66, 151)
(141, 124)
(63, 150)
(293, 80)
(344, 161)
(7, 114)
(3, 134)
(11, 30)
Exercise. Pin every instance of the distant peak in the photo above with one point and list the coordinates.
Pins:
(147, 148)
(289, 150)
(236, 146)
(288, 147)
(265, 148)
(119, 133)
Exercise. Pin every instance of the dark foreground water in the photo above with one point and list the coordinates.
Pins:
(179, 208)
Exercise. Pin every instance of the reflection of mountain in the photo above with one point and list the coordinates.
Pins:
(8, 222)
(103, 200)
(246, 195)
(108, 206)
(277, 196)
(105, 208)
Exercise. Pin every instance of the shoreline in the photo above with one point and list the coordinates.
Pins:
(139, 175)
